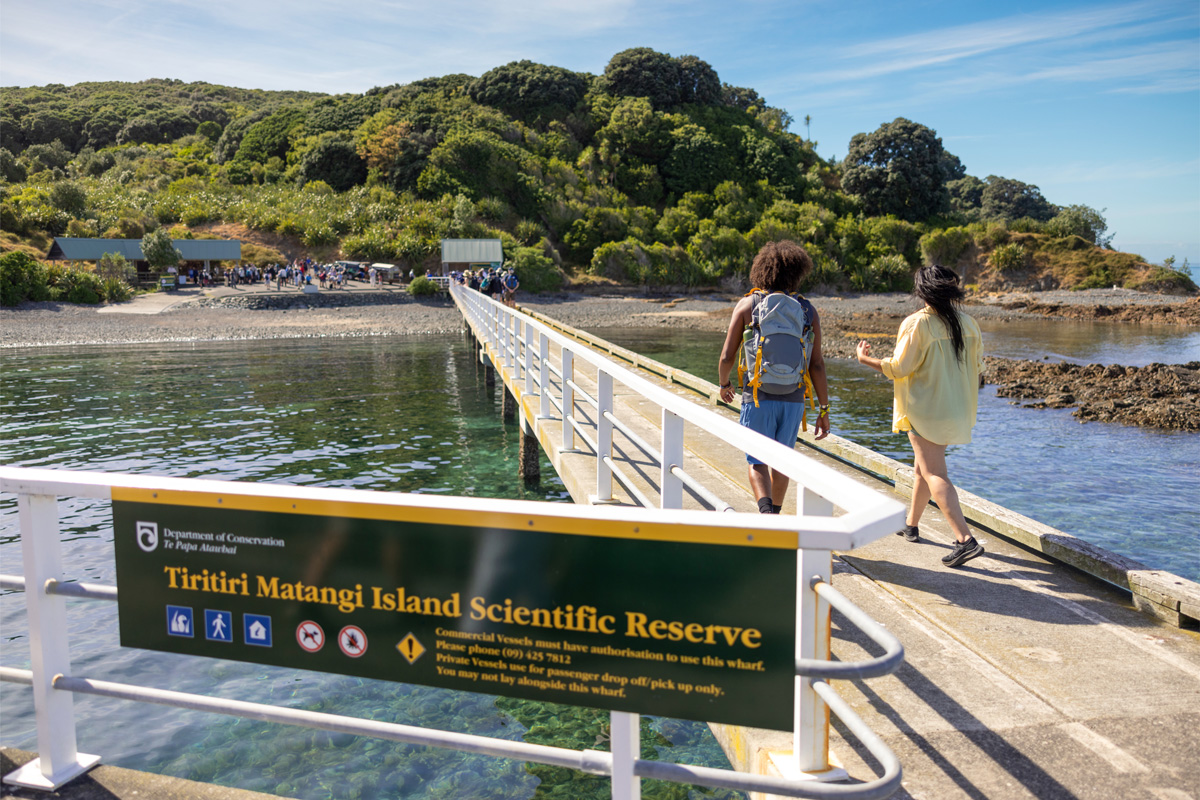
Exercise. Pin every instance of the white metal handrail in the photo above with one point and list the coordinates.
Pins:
(868, 514)
(37, 491)
(520, 346)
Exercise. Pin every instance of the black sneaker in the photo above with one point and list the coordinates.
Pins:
(909, 532)
(963, 552)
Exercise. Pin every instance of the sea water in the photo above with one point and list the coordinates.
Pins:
(399, 414)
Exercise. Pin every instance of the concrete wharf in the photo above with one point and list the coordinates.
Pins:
(1026, 676)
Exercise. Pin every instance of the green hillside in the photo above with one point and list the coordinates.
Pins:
(655, 173)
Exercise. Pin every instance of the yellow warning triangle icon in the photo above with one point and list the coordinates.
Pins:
(410, 648)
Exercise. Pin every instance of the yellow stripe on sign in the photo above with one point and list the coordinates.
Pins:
(576, 526)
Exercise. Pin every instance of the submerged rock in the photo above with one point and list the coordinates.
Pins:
(1163, 396)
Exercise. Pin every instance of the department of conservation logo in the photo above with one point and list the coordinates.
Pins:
(147, 536)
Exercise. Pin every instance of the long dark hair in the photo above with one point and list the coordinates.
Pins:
(938, 286)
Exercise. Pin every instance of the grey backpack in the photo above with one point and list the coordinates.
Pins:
(777, 344)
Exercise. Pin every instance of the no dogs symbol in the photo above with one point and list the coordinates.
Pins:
(310, 636)
(353, 641)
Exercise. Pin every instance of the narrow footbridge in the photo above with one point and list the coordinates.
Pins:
(1047, 668)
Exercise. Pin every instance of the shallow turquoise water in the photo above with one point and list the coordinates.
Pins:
(387, 414)
(1129, 490)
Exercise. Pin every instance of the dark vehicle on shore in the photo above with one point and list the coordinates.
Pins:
(355, 270)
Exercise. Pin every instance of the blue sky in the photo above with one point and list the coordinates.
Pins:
(1096, 104)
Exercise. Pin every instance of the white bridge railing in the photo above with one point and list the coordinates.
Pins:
(526, 349)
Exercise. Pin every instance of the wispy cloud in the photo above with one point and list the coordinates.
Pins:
(1104, 44)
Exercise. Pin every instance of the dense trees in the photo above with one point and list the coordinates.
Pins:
(654, 172)
(1008, 199)
(665, 81)
(524, 87)
(898, 170)
(159, 251)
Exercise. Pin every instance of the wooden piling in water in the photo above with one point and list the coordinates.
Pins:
(529, 466)
(508, 405)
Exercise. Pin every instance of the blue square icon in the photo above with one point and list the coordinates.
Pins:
(179, 621)
(218, 625)
(257, 629)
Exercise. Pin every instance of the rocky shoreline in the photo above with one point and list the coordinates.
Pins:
(1162, 396)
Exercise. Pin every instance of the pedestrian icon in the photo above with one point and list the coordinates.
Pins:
(257, 629)
(410, 648)
(179, 621)
(353, 641)
(310, 636)
(218, 625)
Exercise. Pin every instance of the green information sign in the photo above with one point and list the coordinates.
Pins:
(614, 616)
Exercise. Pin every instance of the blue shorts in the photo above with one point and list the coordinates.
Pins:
(775, 419)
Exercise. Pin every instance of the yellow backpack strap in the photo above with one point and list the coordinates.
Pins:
(756, 379)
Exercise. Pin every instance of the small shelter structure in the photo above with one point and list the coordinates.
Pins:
(206, 250)
(464, 254)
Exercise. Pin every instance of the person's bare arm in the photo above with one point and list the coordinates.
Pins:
(729, 351)
(816, 372)
(863, 352)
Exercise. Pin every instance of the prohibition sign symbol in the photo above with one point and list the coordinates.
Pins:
(353, 641)
(310, 636)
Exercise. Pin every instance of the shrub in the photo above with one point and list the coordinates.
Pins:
(159, 251)
(945, 247)
(650, 264)
(894, 273)
(115, 290)
(68, 197)
(535, 270)
(529, 232)
(79, 229)
(989, 235)
(1007, 257)
(1163, 279)
(422, 287)
(18, 272)
(113, 266)
(1082, 221)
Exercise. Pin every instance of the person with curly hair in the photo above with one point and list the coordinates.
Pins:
(935, 367)
(778, 411)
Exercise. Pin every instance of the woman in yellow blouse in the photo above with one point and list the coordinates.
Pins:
(935, 367)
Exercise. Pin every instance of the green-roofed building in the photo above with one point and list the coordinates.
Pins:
(464, 254)
(205, 250)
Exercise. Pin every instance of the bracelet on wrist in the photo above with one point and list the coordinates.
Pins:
(727, 385)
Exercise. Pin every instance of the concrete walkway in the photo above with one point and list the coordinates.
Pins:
(114, 783)
(1024, 678)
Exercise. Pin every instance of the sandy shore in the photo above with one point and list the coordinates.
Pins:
(252, 313)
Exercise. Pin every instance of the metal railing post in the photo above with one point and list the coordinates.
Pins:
(528, 358)
(625, 732)
(811, 739)
(672, 456)
(509, 320)
(543, 376)
(58, 759)
(604, 429)
(568, 399)
(812, 504)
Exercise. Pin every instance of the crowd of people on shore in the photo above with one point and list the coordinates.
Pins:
(491, 282)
